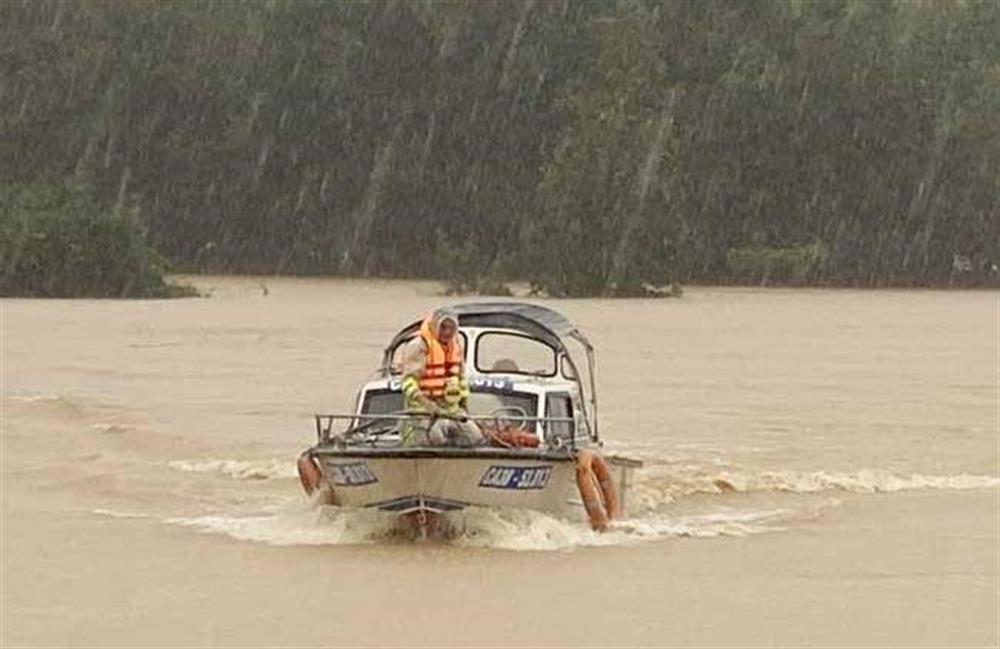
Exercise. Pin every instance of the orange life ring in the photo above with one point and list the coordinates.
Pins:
(597, 488)
(612, 505)
(309, 473)
(511, 437)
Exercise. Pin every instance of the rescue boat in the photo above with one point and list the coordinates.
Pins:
(531, 375)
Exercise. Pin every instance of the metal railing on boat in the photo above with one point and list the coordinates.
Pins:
(358, 422)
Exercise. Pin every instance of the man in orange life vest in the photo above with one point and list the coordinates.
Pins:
(434, 383)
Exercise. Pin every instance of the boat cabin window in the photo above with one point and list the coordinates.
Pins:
(396, 365)
(558, 405)
(510, 353)
(488, 403)
(382, 402)
(567, 368)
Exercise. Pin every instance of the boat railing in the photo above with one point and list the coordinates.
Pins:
(368, 425)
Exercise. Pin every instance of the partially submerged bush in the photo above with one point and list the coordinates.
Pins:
(57, 241)
(761, 265)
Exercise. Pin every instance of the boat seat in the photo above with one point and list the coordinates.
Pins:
(504, 365)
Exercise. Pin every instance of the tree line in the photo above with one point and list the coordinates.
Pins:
(589, 148)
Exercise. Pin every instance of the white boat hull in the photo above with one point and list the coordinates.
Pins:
(441, 480)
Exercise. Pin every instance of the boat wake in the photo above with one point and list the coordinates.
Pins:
(528, 530)
(302, 523)
(661, 484)
(239, 469)
(667, 500)
(521, 530)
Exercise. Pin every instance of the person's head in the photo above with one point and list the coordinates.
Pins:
(447, 328)
(444, 325)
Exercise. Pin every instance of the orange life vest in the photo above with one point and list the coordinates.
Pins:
(442, 362)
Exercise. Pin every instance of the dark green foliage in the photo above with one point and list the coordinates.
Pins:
(760, 265)
(56, 241)
(464, 271)
(589, 148)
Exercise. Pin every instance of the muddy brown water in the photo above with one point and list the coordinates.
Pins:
(821, 469)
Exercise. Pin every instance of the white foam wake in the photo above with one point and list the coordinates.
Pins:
(110, 429)
(654, 489)
(531, 530)
(301, 524)
(658, 485)
(111, 513)
(239, 469)
(505, 529)
(33, 397)
(865, 481)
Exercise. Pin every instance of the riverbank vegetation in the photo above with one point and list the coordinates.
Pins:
(588, 148)
(57, 241)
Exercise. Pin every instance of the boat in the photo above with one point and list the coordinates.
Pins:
(531, 375)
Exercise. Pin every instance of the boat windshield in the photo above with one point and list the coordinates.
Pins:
(387, 402)
(487, 403)
(514, 353)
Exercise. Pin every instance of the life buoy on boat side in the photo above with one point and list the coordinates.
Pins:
(612, 505)
(600, 497)
(309, 474)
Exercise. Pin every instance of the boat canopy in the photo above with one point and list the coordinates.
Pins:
(531, 319)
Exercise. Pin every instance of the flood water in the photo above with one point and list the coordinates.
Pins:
(821, 468)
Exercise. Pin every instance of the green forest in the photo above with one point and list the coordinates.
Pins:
(584, 147)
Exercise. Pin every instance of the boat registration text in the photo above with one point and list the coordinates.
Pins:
(352, 475)
(516, 477)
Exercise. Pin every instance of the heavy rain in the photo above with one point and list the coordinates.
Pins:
(307, 304)
(586, 148)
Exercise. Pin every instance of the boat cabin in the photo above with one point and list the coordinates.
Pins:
(519, 369)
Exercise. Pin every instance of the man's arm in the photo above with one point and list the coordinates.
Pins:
(414, 361)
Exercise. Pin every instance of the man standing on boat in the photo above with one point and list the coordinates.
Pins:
(433, 365)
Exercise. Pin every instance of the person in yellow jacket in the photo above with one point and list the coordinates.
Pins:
(433, 367)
